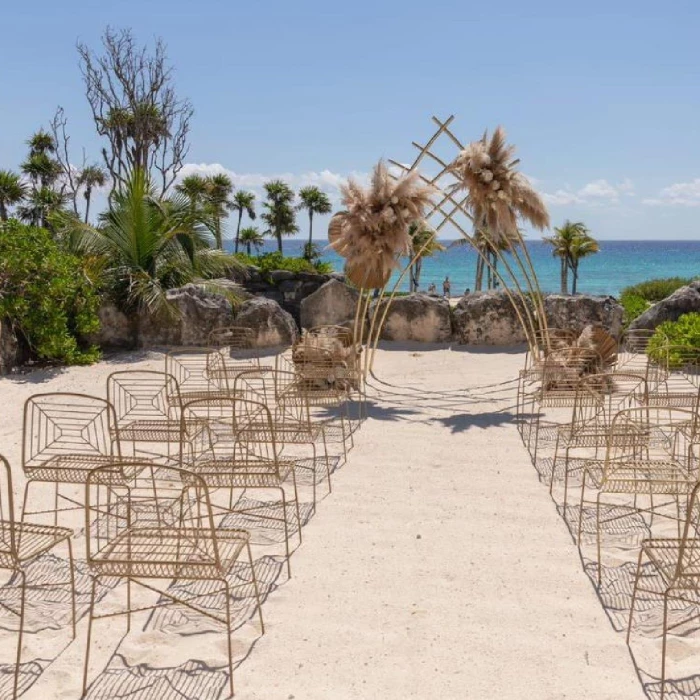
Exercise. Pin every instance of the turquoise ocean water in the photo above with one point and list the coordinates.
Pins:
(618, 265)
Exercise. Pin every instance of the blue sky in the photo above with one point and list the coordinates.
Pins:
(601, 98)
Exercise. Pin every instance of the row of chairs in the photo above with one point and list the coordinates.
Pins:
(629, 433)
(160, 467)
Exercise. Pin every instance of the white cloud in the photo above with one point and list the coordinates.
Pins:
(682, 194)
(597, 193)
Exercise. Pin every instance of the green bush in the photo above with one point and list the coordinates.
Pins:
(679, 341)
(269, 262)
(46, 295)
(639, 297)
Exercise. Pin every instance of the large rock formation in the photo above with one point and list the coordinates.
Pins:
(196, 313)
(12, 350)
(332, 304)
(577, 312)
(486, 318)
(683, 301)
(116, 332)
(272, 325)
(416, 317)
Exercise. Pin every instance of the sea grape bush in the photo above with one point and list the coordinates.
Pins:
(679, 341)
(639, 297)
(269, 262)
(46, 295)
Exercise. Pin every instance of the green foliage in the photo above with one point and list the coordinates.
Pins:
(46, 295)
(679, 341)
(639, 297)
(268, 262)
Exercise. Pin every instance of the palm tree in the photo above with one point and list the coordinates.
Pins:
(584, 245)
(315, 202)
(42, 143)
(41, 169)
(151, 245)
(562, 243)
(39, 205)
(12, 191)
(219, 189)
(279, 215)
(90, 177)
(250, 236)
(195, 188)
(424, 244)
(242, 202)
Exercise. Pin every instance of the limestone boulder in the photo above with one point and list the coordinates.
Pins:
(196, 313)
(683, 301)
(487, 318)
(416, 317)
(116, 329)
(272, 325)
(577, 312)
(332, 304)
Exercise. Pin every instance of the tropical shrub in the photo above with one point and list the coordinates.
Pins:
(269, 262)
(46, 295)
(678, 340)
(639, 297)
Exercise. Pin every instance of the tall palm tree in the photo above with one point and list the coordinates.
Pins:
(151, 245)
(39, 205)
(41, 142)
(41, 169)
(90, 177)
(315, 202)
(242, 202)
(562, 243)
(195, 188)
(250, 236)
(424, 244)
(584, 245)
(279, 216)
(219, 189)
(12, 191)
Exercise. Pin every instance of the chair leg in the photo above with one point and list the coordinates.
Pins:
(580, 510)
(634, 595)
(71, 564)
(91, 614)
(20, 634)
(227, 594)
(664, 640)
(256, 587)
(597, 539)
(554, 464)
(327, 458)
(286, 532)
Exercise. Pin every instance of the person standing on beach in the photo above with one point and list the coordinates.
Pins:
(446, 288)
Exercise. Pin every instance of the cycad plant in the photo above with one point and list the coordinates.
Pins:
(151, 245)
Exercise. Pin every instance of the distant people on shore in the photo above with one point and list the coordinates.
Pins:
(446, 288)
(432, 289)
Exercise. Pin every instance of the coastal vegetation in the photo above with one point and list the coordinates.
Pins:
(269, 262)
(639, 297)
(424, 244)
(676, 342)
(571, 243)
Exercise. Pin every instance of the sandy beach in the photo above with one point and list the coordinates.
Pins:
(437, 567)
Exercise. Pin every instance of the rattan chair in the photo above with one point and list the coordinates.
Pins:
(675, 563)
(66, 435)
(649, 456)
(20, 544)
(242, 453)
(161, 529)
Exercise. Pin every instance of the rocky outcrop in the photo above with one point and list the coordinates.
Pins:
(12, 350)
(117, 332)
(577, 312)
(683, 301)
(332, 304)
(486, 318)
(196, 313)
(417, 317)
(272, 325)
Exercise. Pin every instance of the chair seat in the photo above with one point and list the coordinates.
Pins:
(672, 399)
(643, 477)
(664, 554)
(248, 473)
(31, 540)
(157, 430)
(204, 395)
(74, 468)
(169, 553)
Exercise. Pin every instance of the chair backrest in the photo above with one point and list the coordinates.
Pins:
(688, 565)
(191, 369)
(345, 335)
(62, 424)
(635, 341)
(233, 337)
(153, 524)
(140, 395)
(271, 387)
(8, 544)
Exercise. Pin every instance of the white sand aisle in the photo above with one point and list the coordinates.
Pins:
(437, 568)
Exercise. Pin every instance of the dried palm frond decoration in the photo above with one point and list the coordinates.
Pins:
(372, 233)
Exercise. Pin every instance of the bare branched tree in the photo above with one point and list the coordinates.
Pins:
(135, 107)
(70, 173)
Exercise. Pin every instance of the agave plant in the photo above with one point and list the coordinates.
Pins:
(373, 231)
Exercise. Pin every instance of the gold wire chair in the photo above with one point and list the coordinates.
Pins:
(192, 370)
(21, 543)
(649, 456)
(241, 453)
(161, 528)
(64, 436)
(675, 563)
(598, 399)
(294, 424)
(148, 408)
(678, 385)
(236, 345)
